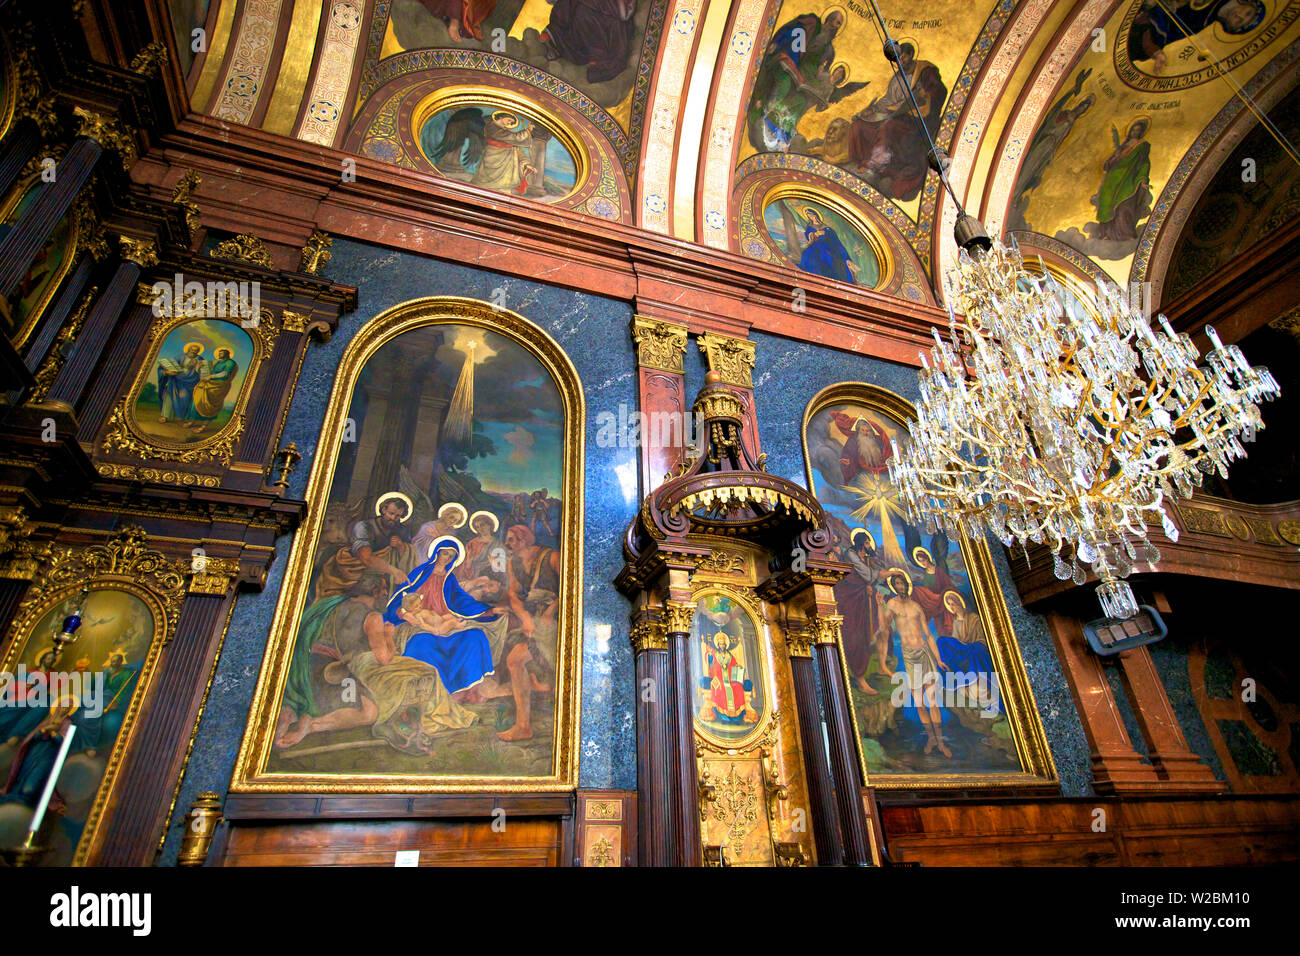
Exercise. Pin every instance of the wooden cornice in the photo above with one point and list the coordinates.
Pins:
(281, 189)
(1217, 538)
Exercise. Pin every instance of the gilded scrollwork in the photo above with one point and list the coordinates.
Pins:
(678, 616)
(109, 132)
(316, 253)
(213, 575)
(13, 528)
(826, 628)
(158, 475)
(659, 344)
(143, 252)
(648, 635)
(244, 248)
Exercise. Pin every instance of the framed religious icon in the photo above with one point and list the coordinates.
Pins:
(128, 599)
(191, 388)
(728, 672)
(936, 682)
(51, 265)
(427, 634)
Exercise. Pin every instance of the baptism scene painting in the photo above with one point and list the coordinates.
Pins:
(822, 89)
(430, 641)
(820, 240)
(592, 45)
(501, 149)
(190, 391)
(97, 678)
(1125, 118)
(727, 669)
(924, 685)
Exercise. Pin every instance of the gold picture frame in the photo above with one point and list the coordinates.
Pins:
(452, 97)
(121, 564)
(803, 192)
(747, 601)
(1037, 769)
(123, 431)
(251, 775)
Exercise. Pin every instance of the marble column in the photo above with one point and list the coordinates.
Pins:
(840, 729)
(661, 394)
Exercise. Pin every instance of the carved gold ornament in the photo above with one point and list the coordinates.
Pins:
(659, 344)
(1289, 531)
(108, 132)
(648, 635)
(316, 253)
(149, 60)
(731, 358)
(143, 252)
(678, 617)
(244, 248)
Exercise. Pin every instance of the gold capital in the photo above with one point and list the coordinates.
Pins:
(659, 344)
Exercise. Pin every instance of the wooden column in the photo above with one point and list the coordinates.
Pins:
(19, 147)
(656, 800)
(76, 374)
(276, 377)
(1116, 766)
(1175, 764)
(844, 752)
(153, 764)
(51, 323)
(19, 248)
(677, 624)
(661, 392)
(817, 771)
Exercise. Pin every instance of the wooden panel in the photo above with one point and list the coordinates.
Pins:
(1197, 832)
(440, 842)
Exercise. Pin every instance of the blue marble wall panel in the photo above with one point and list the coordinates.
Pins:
(593, 331)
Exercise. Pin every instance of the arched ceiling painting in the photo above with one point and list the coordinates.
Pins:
(1087, 128)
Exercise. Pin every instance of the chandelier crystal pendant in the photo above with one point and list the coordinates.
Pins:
(1049, 420)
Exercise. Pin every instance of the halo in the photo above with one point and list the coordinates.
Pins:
(463, 510)
(501, 115)
(889, 578)
(395, 496)
(188, 344)
(961, 600)
(853, 537)
(848, 70)
(836, 8)
(722, 634)
(496, 523)
(924, 552)
(913, 42)
(453, 541)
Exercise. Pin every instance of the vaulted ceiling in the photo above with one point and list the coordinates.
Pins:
(1089, 129)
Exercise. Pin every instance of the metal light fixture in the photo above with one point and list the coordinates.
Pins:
(1048, 420)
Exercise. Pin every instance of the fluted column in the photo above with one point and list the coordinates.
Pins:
(817, 771)
(840, 729)
(656, 803)
(19, 147)
(677, 623)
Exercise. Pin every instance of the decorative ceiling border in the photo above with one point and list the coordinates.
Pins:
(376, 73)
(1262, 84)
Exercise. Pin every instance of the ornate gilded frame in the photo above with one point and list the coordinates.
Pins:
(453, 96)
(1037, 766)
(122, 563)
(809, 193)
(250, 774)
(763, 635)
(77, 232)
(123, 431)
(12, 76)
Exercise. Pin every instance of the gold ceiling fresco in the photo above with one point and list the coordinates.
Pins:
(1081, 126)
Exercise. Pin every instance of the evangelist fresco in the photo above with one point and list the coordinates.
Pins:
(198, 376)
(1125, 117)
(107, 658)
(924, 685)
(428, 643)
(499, 149)
(593, 45)
(822, 89)
(819, 240)
(726, 669)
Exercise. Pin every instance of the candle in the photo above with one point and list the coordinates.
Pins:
(44, 803)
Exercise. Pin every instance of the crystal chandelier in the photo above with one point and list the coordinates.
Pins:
(1067, 423)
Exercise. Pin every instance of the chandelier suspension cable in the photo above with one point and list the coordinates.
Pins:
(1065, 421)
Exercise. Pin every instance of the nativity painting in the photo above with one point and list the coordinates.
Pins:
(429, 642)
(924, 685)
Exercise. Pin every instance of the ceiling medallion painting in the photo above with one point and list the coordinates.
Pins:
(503, 143)
(818, 233)
(595, 55)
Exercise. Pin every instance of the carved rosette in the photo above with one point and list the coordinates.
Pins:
(659, 344)
(678, 617)
(731, 358)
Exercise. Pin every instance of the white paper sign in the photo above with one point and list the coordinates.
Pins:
(407, 858)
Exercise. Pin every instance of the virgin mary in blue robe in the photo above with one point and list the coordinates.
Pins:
(462, 657)
(825, 254)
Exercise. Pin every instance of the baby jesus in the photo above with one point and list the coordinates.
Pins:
(415, 613)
